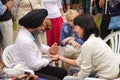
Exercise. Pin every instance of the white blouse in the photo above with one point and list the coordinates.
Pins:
(53, 7)
(97, 55)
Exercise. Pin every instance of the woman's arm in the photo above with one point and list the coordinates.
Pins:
(67, 60)
(101, 3)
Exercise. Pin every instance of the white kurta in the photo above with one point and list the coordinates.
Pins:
(28, 53)
(97, 55)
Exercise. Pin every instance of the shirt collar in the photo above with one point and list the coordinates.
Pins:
(30, 35)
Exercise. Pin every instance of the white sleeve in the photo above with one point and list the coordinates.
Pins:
(86, 63)
(79, 60)
(44, 49)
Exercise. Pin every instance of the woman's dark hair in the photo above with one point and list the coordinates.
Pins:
(87, 22)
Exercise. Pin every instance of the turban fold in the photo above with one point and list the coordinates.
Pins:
(34, 18)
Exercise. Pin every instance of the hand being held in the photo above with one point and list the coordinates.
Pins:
(75, 44)
(54, 57)
(67, 39)
(54, 49)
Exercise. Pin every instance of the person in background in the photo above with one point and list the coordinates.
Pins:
(68, 37)
(55, 12)
(2, 10)
(22, 7)
(6, 25)
(95, 53)
(106, 16)
(86, 6)
(76, 4)
(66, 5)
(28, 53)
(66, 33)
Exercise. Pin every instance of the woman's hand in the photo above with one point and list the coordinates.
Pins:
(54, 49)
(66, 40)
(74, 43)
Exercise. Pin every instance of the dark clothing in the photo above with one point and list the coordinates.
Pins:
(51, 73)
(7, 15)
(86, 6)
(104, 26)
(98, 7)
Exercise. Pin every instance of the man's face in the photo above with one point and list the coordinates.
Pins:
(45, 26)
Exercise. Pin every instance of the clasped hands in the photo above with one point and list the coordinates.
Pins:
(54, 49)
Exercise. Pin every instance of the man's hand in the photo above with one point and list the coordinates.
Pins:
(54, 57)
(54, 49)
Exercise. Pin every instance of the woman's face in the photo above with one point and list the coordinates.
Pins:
(79, 31)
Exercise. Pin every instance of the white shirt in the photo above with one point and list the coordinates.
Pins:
(53, 7)
(97, 55)
(28, 53)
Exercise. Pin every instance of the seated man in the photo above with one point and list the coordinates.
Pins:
(29, 53)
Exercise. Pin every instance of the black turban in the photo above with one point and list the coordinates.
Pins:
(34, 18)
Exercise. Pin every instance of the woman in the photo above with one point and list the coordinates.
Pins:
(55, 11)
(95, 55)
